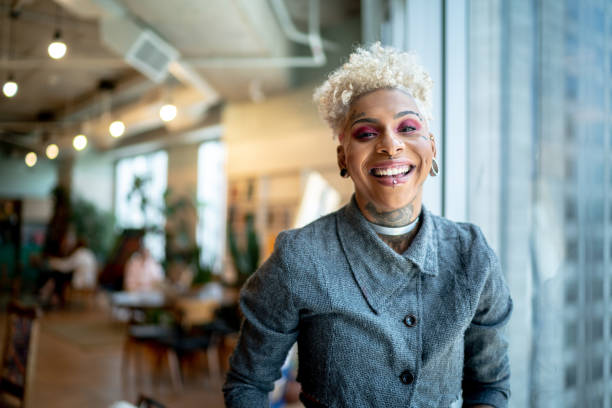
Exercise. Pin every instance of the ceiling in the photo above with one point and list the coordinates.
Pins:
(218, 50)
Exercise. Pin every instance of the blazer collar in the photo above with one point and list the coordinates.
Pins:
(379, 271)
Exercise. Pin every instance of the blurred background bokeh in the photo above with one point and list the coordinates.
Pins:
(152, 153)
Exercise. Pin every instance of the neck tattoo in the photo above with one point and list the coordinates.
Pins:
(396, 218)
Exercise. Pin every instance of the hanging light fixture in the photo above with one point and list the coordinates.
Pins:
(79, 142)
(10, 87)
(57, 49)
(117, 128)
(167, 112)
(30, 159)
(52, 151)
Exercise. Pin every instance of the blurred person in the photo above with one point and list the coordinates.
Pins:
(81, 263)
(79, 269)
(391, 305)
(142, 272)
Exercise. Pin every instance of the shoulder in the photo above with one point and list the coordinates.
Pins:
(307, 240)
(466, 241)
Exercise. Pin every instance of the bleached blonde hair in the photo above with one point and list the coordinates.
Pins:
(367, 70)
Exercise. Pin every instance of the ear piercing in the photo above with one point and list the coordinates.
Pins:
(344, 173)
(433, 172)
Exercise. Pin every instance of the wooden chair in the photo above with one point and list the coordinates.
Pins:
(19, 354)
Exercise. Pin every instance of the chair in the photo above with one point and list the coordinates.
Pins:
(19, 354)
(146, 402)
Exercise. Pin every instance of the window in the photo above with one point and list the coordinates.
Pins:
(211, 203)
(140, 184)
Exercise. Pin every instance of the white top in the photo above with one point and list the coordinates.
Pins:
(142, 273)
(84, 265)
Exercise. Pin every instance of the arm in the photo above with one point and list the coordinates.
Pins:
(65, 265)
(268, 331)
(486, 373)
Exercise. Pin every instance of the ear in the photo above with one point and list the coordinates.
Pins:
(340, 156)
(433, 144)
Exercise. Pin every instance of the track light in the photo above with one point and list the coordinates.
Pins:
(117, 128)
(10, 87)
(79, 142)
(30, 159)
(57, 49)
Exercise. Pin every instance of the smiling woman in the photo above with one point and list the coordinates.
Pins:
(390, 304)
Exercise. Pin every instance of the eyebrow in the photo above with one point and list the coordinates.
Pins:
(408, 112)
(368, 120)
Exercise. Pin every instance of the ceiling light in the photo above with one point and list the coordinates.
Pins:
(10, 88)
(57, 49)
(117, 128)
(30, 159)
(79, 142)
(52, 151)
(167, 112)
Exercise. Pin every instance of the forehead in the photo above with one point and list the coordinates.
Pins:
(382, 101)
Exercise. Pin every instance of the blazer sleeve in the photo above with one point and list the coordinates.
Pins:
(269, 329)
(486, 373)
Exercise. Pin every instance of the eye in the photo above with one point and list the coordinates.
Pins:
(406, 129)
(408, 126)
(365, 133)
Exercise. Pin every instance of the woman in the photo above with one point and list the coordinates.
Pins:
(391, 305)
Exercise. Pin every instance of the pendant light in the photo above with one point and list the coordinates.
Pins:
(52, 151)
(30, 159)
(57, 49)
(79, 142)
(10, 87)
(117, 128)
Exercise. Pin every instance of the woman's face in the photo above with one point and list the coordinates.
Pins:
(387, 150)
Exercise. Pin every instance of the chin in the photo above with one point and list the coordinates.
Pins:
(399, 198)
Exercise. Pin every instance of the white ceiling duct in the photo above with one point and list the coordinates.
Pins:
(142, 48)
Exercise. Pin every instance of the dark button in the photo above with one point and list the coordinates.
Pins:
(410, 320)
(406, 377)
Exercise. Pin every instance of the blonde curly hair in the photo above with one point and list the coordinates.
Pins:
(367, 70)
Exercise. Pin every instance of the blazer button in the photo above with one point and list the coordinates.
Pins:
(410, 320)
(406, 377)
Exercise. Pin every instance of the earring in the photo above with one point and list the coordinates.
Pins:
(344, 173)
(434, 171)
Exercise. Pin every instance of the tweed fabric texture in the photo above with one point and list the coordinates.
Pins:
(338, 290)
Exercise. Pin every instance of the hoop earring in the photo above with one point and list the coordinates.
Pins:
(344, 173)
(435, 170)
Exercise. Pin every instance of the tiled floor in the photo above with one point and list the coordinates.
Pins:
(71, 376)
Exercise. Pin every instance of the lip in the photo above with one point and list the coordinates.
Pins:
(392, 180)
(387, 164)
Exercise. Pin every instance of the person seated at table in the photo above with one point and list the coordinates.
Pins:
(142, 272)
(79, 268)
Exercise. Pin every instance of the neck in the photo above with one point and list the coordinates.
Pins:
(399, 243)
(391, 218)
(394, 218)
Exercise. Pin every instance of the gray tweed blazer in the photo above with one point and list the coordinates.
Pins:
(375, 328)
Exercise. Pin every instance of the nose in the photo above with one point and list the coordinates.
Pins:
(389, 144)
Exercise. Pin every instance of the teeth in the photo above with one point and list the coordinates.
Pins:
(392, 171)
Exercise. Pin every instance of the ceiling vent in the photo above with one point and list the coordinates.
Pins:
(151, 55)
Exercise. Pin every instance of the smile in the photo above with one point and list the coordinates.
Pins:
(395, 171)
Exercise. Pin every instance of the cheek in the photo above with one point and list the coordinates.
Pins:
(354, 155)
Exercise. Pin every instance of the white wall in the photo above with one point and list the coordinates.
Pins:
(20, 181)
(92, 178)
